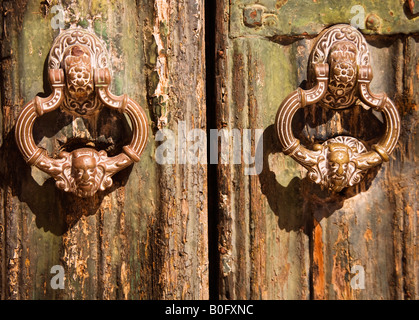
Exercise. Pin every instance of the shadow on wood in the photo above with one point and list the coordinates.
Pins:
(301, 200)
(56, 211)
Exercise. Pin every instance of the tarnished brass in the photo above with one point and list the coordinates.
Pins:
(340, 74)
(80, 78)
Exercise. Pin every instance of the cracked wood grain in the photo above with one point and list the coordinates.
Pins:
(147, 237)
(307, 241)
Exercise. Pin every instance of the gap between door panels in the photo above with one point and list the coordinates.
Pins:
(212, 187)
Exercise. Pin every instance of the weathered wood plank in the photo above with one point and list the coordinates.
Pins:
(145, 238)
(181, 227)
(311, 243)
(410, 172)
(258, 235)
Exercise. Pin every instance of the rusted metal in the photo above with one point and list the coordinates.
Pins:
(253, 16)
(373, 22)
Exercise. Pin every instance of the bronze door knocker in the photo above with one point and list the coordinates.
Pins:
(80, 78)
(340, 73)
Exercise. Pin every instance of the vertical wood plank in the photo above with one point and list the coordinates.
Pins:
(180, 237)
(259, 239)
(312, 243)
(147, 237)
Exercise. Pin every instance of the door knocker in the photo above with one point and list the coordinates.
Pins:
(339, 74)
(79, 76)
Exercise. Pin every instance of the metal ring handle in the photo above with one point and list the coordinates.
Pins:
(81, 88)
(341, 73)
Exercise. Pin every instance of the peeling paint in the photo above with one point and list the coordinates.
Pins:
(368, 235)
(160, 34)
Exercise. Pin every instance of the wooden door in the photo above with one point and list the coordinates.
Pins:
(281, 236)
(222, 228)
(146, 238)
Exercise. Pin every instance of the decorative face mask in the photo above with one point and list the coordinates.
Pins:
(86, 174)
(337, 165)
(338, 161)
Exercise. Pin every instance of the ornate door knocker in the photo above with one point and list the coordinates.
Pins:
(339, 73)
(79, 76)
